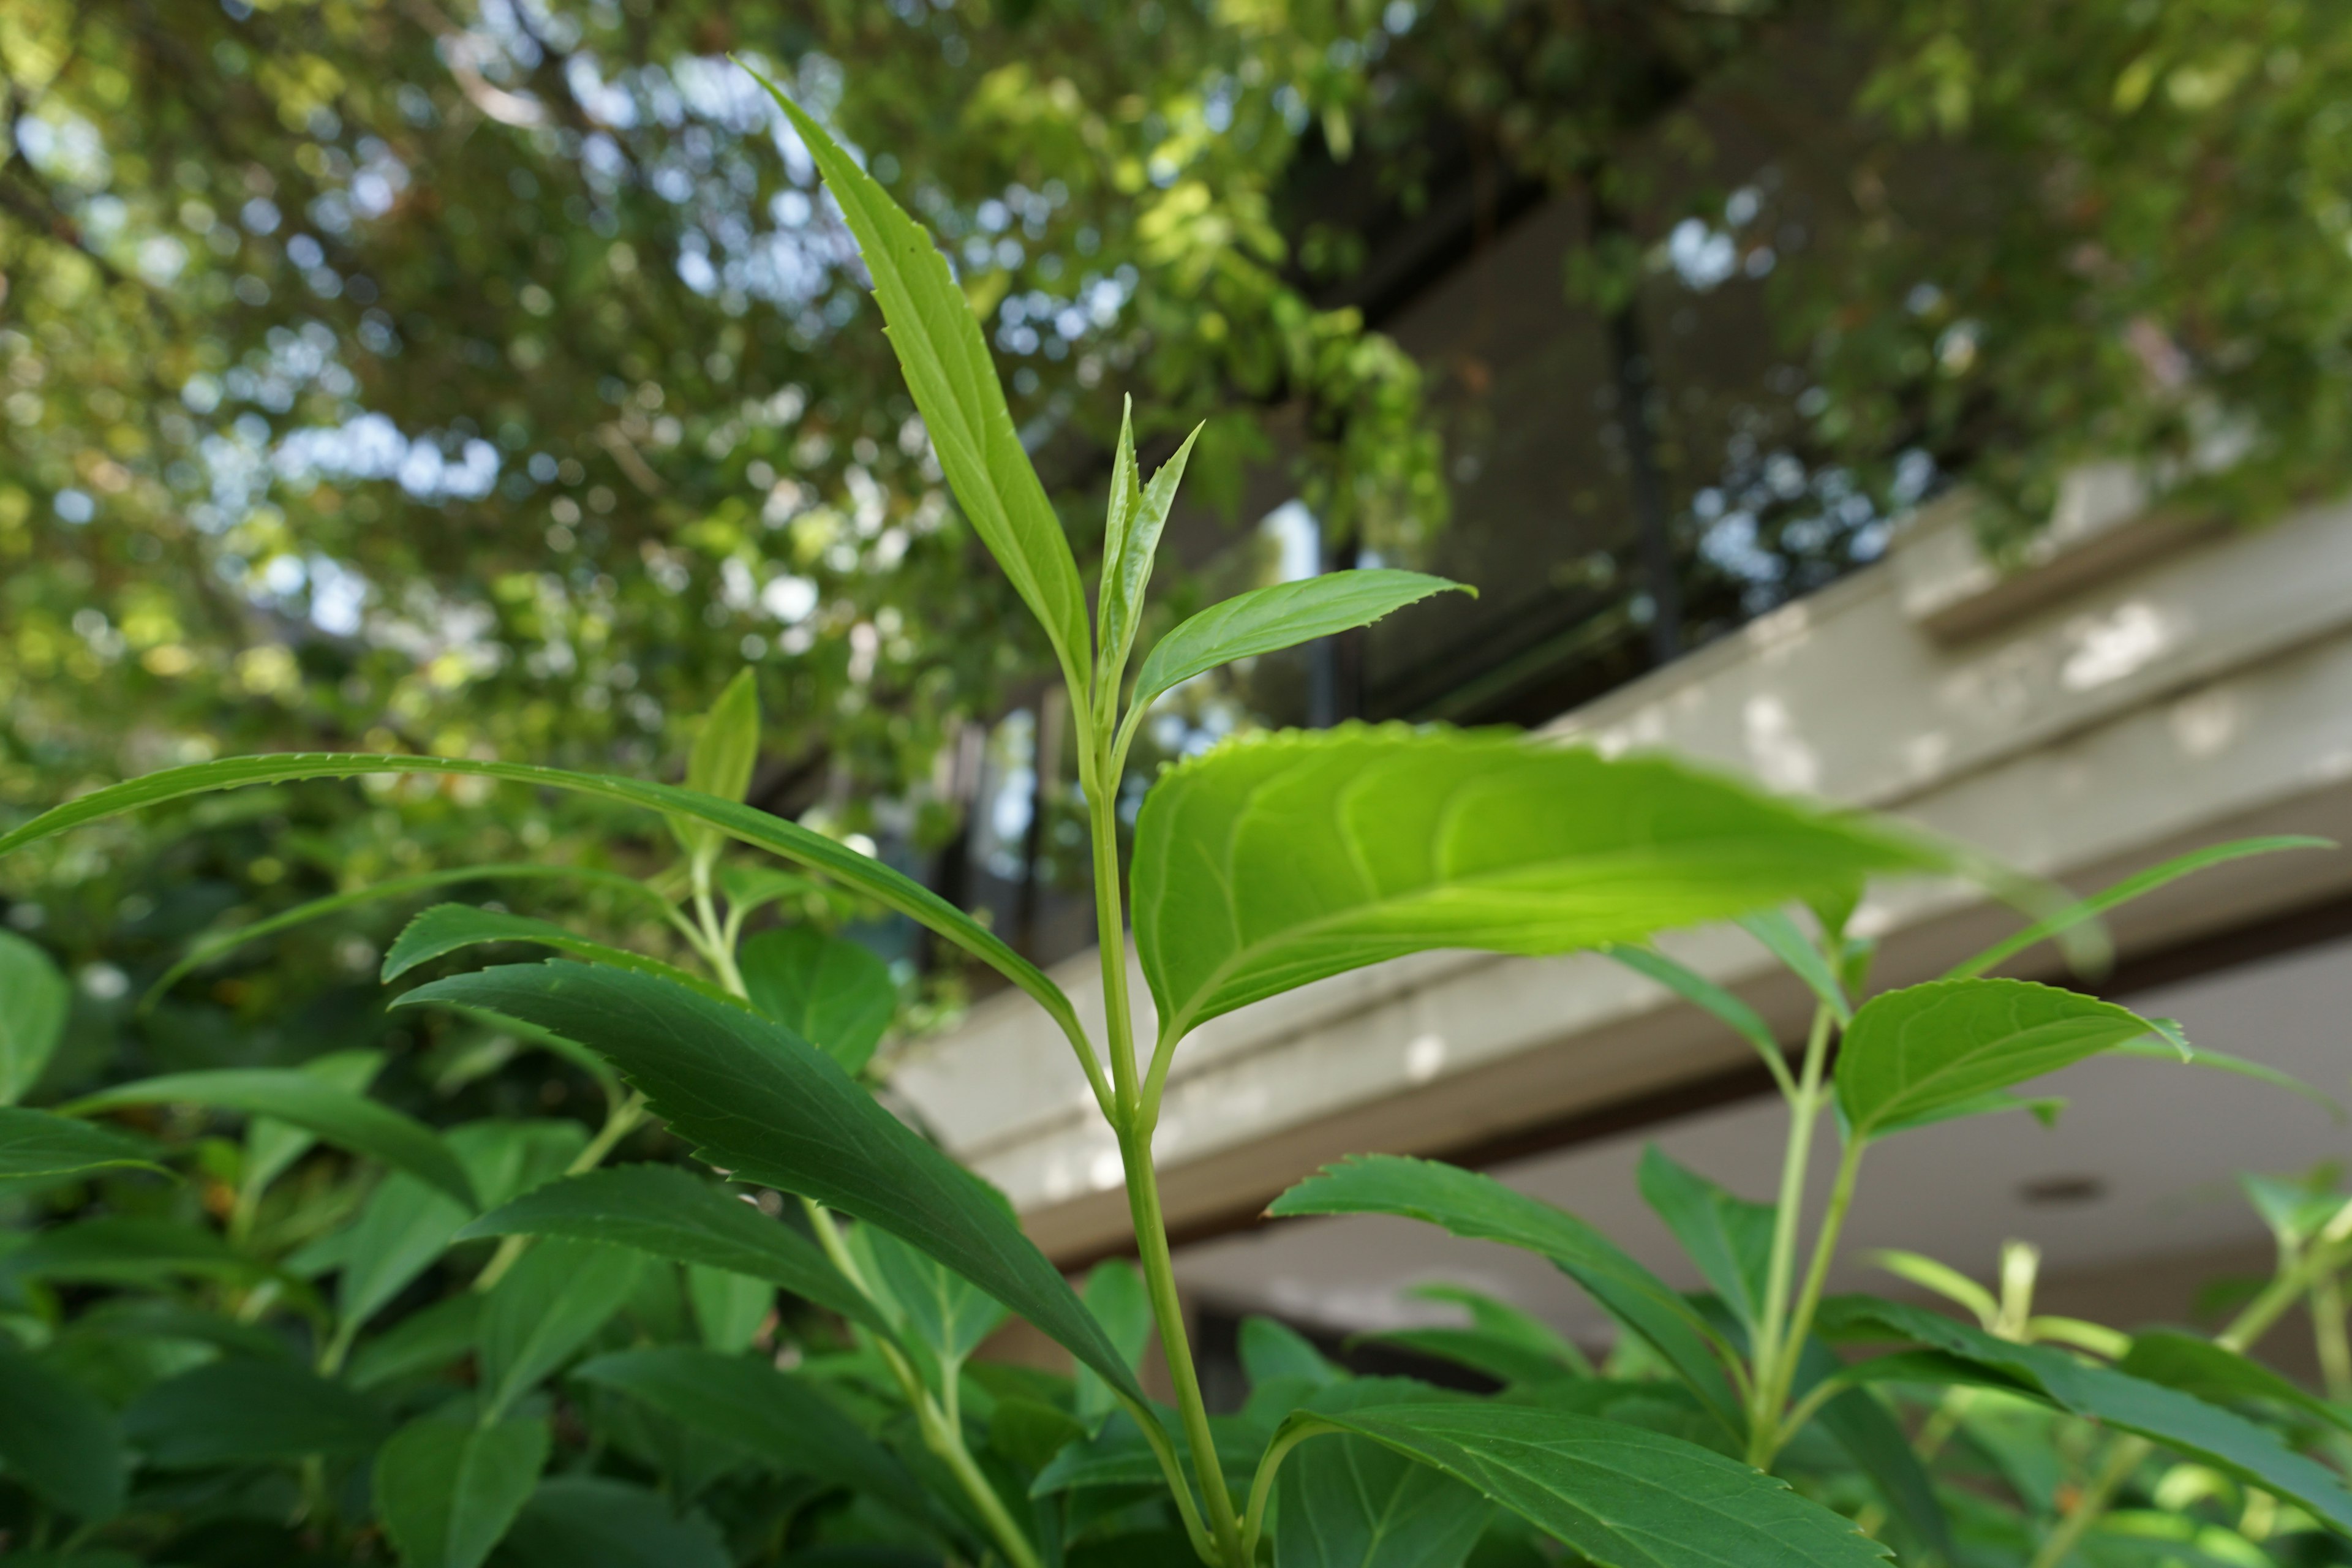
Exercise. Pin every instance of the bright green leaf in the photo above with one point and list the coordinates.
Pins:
(447, 1492)
(447, 928)
(668, 1212)
(1620, 1495)
(34, 999)
(1481, 1208)
(1131, 542)
(760, 1103)
(1914, 1054)
(60, 1439)
(249, 1410)
(729, 1308)
(1279, 617)
(1785, 941)
(1281, 858)
(725, 752)
(347, 1121)
(835, 993)
(953, 379)
(549, 1304)
(769, 1413)
(36, 1143)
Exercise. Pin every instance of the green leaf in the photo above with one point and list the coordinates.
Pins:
(447, 1492)
(1876, 1445)
(775, 1417)
(1131, 542)
(124, 1250)
(347, 1121)
(1498, 1320)
(36, 1143)
(271, 1147)
(1120, 1457)
(668, 1212)
(549, 1304)
(1506, 1361)
(249, 1410)
(1281, 616)
(1623, 1496)
(1281, 858)
(726, 751)
(1115, 1294)
(2130, 887)
(1785, 941)
(803, 845)
(729, 1308)
(1273, 1352)
(1697, 989)
(1730, 1238)
(1355, 1503)
(33, 1001)
(1915, 1054)
(1481, 1208)
(60, 1439)
(948, 370)
(2219, 1374)
(447, 928)
(835, 993)
(945, 1311)
(2163, 1416)
(206, 949)
(764, 1105)
(421, 1342)
(2171, 1045)
(588, 1521)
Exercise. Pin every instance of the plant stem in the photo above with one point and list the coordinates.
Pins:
(1133, 1120)
(619, 1122)
(2327, 1333)
(1804, 1109)
(2122, 1460)
(1808, 1299)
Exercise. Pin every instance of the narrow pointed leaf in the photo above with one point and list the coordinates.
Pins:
(36, 1143)
(801, 844)
(271, 1147)
(669, 1213)
(549, 1305)
(1351, 1502)
(589, 1521)
(1508, 1362)
(1498, 1318)
(2172, 1046)
(1481, 1208)
(1132, 545)
(729, 1308)
(347, 1121)
(835, 993)
(447, 1492)
(251, 1410)
(1913, 1054)
(1623, 1496)
(125, 1249)
(2130, 887)
(766, 1413)
(2219, 1374)
(953, 379)
(1785, 941)
(764, 1105)
(2163, 1416)
(447, 928)
(725, 752)
(1283, 859)
(1279, 617)
(60, 1439)
(945, 1311)
(1701, 992)
(1730, 1238)
(34, 1000)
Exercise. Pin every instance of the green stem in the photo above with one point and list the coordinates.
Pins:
(2122, 1460)
(619, 1122)
(2328, 1337)
(1809, 1301)
(1262, 1486)
(1804, 1109)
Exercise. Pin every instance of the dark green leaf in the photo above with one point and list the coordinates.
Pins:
(803, 846)
(2220, 1375)
(1911, 1055)
(953, 378)
(1730, 1238)
(447, 928)
(1506, 1361)
(1625, 1497)
(271, 1147)
(1481, 1208)
(1281, 858)
(1120, 1456)
(1351, 1502)
(246, 1410)
(447, 1492)
(2163, 1416)
(1281, 616)
(835, 993)
(1875, 1443)
(767, 1106)
(60, 1439)
(2130, 887)
(347, 1121)
(36, 1143)
(769, 1413)
(1500, 1321)
(32, 1002)
(729, 1308)
(556, 1295)
(126, 1251)
(1115, 1295)
(587, 1521)
(420, 1342)
(668, 1212)
(1272, 1352)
